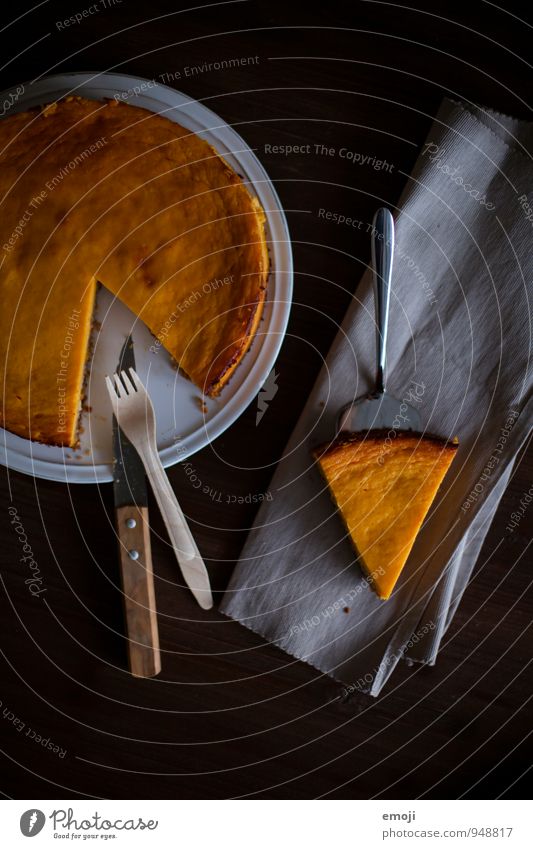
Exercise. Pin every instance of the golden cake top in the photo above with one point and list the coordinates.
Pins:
(103, 191)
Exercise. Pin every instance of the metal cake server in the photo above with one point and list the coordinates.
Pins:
(378, 409)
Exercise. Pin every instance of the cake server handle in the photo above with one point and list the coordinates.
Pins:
(382, 256)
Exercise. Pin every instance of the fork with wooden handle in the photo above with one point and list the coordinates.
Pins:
(135, 415)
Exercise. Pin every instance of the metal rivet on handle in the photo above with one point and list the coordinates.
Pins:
(134, 554)
(131, 523)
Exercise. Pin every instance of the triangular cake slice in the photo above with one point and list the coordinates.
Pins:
(383, 488)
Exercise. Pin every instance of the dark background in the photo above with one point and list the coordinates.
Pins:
(230, 715)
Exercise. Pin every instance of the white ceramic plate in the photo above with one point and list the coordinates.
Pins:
(183, 427)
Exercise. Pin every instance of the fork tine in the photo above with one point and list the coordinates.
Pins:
(119, 389)
(130, 388)
(135, 379)
(112, 392)
(109, 384)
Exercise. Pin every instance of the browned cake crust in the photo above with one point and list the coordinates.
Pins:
(380, 437)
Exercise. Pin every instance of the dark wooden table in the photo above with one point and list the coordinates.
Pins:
(231, 716)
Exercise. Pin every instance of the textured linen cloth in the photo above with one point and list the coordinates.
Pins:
(460, 339)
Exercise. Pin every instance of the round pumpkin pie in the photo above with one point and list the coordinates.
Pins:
(103, 192)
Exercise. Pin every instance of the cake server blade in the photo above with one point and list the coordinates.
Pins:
(379, 409)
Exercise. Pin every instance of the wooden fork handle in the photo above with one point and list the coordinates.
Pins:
(138, 591)
(189, 558)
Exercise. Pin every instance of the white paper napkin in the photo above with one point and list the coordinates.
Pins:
(459, 337)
